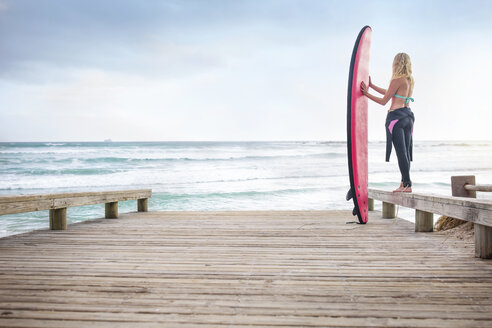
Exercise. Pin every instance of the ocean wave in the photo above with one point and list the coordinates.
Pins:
(463, 144)
(207, 159)
(452, 170)
(73, 171)
(49, 144)
(234, 194)
(294, 177)
(45, 151)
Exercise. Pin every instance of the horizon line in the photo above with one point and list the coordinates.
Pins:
(217, 141)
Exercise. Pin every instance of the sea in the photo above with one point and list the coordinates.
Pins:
(218, 176)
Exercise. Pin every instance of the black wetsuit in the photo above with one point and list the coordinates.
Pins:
(399, 131)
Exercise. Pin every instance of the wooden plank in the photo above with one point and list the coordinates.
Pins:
(97, 199)
(30, 203)
(469, 209)
(238, 269)
(7, 199)
(25, 206)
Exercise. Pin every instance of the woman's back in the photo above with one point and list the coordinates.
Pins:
(404, 91)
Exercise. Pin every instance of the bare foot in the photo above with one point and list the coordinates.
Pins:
(403, 189)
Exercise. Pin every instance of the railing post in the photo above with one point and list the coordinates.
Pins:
(370, 204)
(143, 205)
(458, 186)
(389, 211)
(58, 219)
(483, 241)
(483, 234)
(111, 210)
(424, 221)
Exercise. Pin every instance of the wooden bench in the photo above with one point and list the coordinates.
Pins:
(57, 203)
(478, 211)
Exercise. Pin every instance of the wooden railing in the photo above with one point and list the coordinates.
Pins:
(57, 203)
(462, 205)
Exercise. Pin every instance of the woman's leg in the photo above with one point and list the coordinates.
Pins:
(401, 148)
(408, 128)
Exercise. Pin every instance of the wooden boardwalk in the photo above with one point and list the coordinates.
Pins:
(242, 269)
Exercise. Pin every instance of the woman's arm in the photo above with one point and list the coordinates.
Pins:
(375, 87)
(387, 95)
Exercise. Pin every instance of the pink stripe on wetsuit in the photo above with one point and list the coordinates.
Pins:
(392, 125)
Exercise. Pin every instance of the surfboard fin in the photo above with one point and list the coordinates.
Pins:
(354, 212)
(349, 194)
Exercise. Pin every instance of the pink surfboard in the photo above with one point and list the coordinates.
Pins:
(357, 125)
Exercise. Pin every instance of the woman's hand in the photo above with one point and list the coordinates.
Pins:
(363, 88)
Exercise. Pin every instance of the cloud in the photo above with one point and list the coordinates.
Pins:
(3, 6)
(246, 69)
(167, 38)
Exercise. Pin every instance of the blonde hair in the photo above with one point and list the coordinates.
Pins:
(402, 67)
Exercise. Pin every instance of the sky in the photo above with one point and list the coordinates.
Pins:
(239, 70)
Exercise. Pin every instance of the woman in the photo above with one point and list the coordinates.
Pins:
(400, 119)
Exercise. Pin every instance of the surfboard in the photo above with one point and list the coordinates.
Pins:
(357, 125)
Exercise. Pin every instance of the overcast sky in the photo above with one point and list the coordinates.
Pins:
(234, 70)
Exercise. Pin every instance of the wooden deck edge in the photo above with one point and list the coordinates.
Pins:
(474, 210)
(32, 203)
